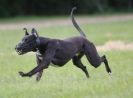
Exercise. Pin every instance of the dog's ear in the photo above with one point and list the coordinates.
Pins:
(26, 32)
(34, 32)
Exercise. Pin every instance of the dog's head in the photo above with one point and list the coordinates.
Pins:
(28, 43)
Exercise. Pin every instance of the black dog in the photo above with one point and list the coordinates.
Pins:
(59, 52)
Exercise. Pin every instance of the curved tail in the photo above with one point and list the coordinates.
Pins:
(75, 23)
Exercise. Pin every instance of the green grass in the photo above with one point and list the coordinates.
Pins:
(68, 81)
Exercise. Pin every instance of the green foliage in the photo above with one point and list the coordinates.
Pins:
(47, 7)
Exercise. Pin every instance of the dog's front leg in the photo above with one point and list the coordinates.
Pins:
(39, 74)
(35, 70)
(47, 57)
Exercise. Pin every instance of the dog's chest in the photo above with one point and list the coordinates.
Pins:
(39, 55)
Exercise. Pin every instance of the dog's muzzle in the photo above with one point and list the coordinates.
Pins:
(19, 50)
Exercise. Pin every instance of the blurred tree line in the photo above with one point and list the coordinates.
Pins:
(47, 7)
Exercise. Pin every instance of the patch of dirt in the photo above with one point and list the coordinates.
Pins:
(115, 45)
(66, 21)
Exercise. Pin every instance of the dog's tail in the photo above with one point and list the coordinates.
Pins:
(75, 23)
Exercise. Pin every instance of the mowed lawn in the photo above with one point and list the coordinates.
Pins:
(69, 81)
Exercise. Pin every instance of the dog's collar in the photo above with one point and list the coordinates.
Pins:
(38, 42)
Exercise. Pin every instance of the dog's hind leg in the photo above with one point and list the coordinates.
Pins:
(93, 56)
(77, 62)
(106, 64)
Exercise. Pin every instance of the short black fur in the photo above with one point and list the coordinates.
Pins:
(59, 52)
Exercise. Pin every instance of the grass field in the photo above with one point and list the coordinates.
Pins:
(69, 81)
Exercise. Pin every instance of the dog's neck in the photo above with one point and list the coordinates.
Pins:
(41, 44)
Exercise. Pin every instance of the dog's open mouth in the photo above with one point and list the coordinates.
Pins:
(20, 52)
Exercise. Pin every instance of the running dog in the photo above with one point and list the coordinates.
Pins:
(59, 52)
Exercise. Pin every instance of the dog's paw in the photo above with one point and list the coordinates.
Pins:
(21, 74)
(37, 79)
(109, 70)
